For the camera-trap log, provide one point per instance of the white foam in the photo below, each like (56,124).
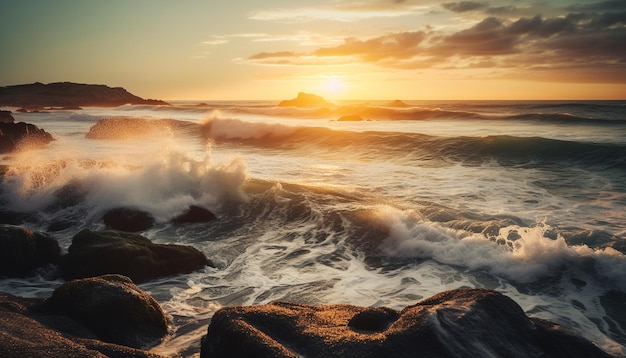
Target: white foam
(157,176)
(526,259)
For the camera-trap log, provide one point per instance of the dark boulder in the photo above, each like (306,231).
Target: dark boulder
(195,214)
(22,135)
(458,323)
(6,117)
(106,252)
(22,250)
(70,194)
(113,308)
(26,331)
(126,219)
(11,217)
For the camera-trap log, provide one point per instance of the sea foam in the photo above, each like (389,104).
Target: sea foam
(522,254)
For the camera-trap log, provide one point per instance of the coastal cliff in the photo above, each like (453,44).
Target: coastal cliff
(37,95)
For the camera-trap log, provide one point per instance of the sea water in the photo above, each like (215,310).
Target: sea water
(526,198)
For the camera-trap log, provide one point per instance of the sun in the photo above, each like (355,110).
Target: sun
(334,85)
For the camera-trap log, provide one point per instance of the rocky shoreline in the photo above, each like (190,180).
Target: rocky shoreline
(100,311)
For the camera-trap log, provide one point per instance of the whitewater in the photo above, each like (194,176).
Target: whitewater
(399,202)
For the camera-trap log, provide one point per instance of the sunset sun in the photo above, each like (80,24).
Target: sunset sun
(334,85)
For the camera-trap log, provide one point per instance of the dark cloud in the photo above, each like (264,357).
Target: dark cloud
(536,26)
(501,10)
(590,44)
(463,6)
(487,38)
(609,5)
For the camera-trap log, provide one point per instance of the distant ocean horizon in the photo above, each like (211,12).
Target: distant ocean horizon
(370,203)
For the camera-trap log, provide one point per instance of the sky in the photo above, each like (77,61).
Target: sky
(339,49)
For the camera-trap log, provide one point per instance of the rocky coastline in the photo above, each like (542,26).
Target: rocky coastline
(68,95)
(99,311)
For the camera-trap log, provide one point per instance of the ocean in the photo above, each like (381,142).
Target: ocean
(403,201)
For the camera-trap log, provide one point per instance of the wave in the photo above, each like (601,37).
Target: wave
(578,114)
(163,183)
(507,150)
(522,254)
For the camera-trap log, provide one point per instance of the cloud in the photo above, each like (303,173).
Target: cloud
(216,40)
(609,5)
(463,6)
(589,44)
(395,45)
(270,55)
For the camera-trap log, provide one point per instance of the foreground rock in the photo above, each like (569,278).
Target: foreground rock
(40,328)
(113,308)
(37,96)
(106,252)
(127,219)
(22,250)
(13,135)
(305,100)
(458,323)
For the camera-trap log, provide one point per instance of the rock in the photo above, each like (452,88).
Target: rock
(70,194)
(68,95)
(6,117)
(350,118)
(397,103)
(458,323)
(117,128)
(375,319)
(112,307)
(305,100)
(27,332)
(14,135)
(126,219)
(194,214)
(22,250)
(14,217)
(106,252)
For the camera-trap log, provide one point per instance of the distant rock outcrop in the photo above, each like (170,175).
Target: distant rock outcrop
(457,323)
(12,135)
(116,252)
(350,118)
(397,103)
(305,100)
(37,96)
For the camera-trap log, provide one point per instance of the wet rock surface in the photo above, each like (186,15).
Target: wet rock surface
(107,252)
(458,323)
